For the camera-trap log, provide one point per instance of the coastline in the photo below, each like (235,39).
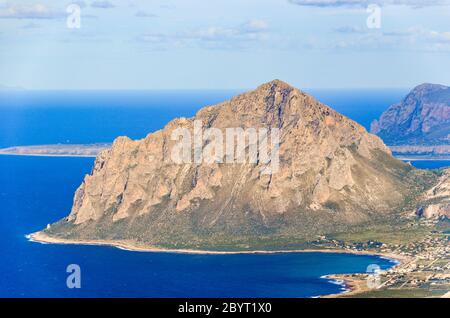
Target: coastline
(351,285)
(422,158)
(40,237)
(94,156)
(46,155)
(354,284)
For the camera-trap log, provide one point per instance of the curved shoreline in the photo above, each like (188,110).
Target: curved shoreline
(350,286)
(422,159)
(40,237)
(47,155)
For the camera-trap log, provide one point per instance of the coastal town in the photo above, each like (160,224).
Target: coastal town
(423,268)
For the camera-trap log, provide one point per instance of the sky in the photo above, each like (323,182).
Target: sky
(223,44)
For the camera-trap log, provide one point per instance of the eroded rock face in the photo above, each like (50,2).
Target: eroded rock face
(438,198)
(332,173)
(437,210)
(423,117)
(442,189)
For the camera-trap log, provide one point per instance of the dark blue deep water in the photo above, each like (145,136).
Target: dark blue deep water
(40,117)
(430,164)
(35,191)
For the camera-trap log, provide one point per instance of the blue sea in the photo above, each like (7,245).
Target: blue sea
(35,191)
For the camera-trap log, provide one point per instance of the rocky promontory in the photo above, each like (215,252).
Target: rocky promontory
(332,175)
(421,119)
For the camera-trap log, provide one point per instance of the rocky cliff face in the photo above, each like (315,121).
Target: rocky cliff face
(332,175)
(437,199)
(423,117)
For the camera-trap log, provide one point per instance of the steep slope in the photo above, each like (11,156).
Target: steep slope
(437,199)
(332,175)
(422,118)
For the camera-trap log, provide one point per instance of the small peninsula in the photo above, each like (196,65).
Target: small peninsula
(57,150)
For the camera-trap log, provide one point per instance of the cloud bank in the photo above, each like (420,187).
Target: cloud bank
(417,38)
(34,11)
(217,37)
(365,3)
(102,4)
(144,14)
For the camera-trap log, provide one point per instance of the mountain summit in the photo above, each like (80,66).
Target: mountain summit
(331,175)
(422,118)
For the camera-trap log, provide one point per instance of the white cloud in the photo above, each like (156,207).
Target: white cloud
(31,25)
(35,11)
(212,37)
(415,38)
(81,3)
(144,14)
(365,3)
(254,26)
(350,29)
(102,4)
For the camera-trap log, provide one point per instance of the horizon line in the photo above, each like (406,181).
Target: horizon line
(193,89)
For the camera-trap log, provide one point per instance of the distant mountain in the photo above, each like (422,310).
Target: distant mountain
(437,199)
(71,150)
(422,118)
(333,175)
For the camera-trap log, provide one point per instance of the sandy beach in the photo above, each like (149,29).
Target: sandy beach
(352,285)
(41,237)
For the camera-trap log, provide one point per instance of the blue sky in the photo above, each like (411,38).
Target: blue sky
(200,44)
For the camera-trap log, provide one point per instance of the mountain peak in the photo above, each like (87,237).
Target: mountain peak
(323,166)
(275,85)
(428,88)
(422,117)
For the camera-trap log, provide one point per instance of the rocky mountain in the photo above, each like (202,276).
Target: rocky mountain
(72,150)
(436,201)
(436,151)
(422,118)
(332,176)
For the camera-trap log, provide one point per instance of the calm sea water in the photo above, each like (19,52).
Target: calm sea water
(35,191)
(36,117)
(430,164)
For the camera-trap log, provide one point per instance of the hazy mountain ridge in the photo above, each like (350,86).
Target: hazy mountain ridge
(333,175)
(422,118)
(72,150)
